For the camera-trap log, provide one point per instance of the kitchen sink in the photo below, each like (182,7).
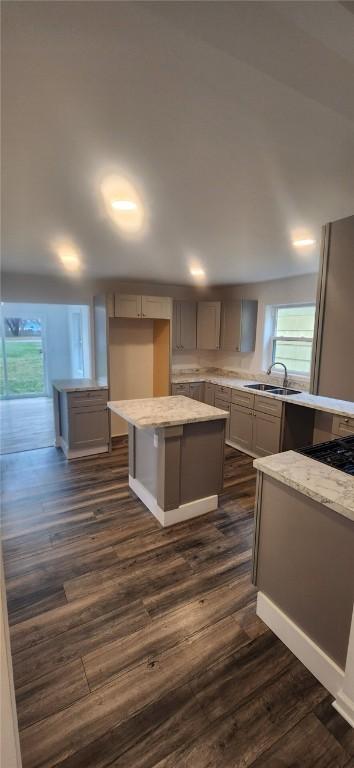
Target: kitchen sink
(262,387)
(285,391)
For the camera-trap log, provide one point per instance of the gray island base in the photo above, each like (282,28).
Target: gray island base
(176,455)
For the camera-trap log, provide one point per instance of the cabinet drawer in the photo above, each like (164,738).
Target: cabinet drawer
(181,389)
(224,392)
(242,398)
(343,425)
(87,398)
(267,405)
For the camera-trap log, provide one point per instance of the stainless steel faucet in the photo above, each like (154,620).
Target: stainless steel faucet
(286,380)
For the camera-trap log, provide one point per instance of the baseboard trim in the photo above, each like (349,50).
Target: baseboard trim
(173,516)
(79,453)
(345,706)
(312,656)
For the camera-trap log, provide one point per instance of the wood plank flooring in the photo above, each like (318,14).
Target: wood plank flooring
(139,647)
(26,423)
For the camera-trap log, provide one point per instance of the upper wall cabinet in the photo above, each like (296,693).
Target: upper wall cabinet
(238,325)
(184,325)
(127,305)
(208,324)
(154,307)
(159,307)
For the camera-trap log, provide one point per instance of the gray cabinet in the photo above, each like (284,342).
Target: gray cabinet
(225,405)
(180,389)
(196,390)
(342,426)
(184,329)
(266,434)
(209,393)
(241,427)
(81,420)
(256,429)
(208,324)
(238,325)
(127,305)
(332,358)
(150,307)
(156,307)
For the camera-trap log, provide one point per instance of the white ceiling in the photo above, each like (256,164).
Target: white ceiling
(234,120)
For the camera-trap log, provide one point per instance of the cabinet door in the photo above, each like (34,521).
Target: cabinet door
(156,307)
(176,325)
(266,434)
(231,325)
(196,390)
(126,305)
(225,406)
(88,427)
(241,426)
(208,324)
(209,393)
(188,324)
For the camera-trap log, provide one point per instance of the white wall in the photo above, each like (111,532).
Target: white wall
(131,363)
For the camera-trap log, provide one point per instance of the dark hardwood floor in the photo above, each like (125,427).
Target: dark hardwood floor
(136,646)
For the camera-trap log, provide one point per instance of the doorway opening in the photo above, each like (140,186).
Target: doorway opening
(39,343)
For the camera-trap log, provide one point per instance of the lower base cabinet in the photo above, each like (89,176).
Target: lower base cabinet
(225,405)
(195,390)
(255,431)
(241,427)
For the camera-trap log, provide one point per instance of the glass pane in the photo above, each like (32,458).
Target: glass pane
(24,356)
(295,355)
(2,376)
(295,321)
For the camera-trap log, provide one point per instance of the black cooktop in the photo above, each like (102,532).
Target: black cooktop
(335,453)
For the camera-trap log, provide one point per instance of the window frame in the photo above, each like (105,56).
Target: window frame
(274,337)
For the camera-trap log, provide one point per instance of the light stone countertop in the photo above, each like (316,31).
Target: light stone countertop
(330,405)
(165,411)
(77,385)
(328,486)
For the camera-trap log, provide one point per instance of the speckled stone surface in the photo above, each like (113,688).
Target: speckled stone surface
(328,404)
(77,385)
(328,486)
(165,411)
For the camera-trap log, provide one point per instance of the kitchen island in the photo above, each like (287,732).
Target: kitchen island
(303,562)
(176,455)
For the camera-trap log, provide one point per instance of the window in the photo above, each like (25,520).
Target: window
(293,337)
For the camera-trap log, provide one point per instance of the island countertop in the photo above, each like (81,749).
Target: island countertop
(328,486)
(155,412)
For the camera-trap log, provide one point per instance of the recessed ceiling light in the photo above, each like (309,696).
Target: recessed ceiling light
(70,261)
(124,205)
(305,241)
(197,271)
(68,254)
